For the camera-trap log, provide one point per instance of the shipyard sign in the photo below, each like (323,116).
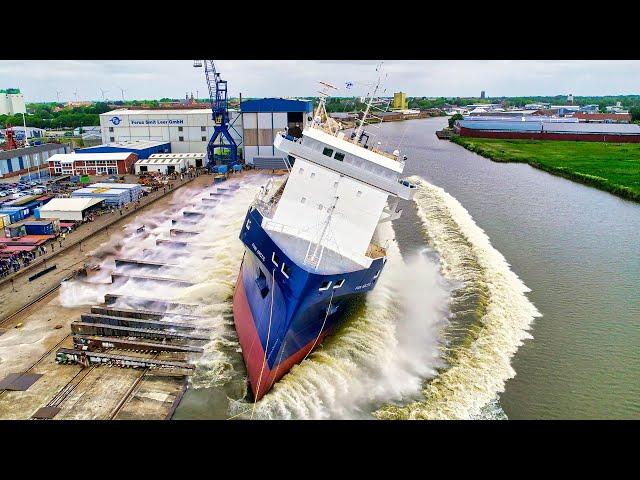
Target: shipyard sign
(115,120)
(161,121)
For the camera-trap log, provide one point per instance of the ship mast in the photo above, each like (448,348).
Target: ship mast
(370,101)
(322,99)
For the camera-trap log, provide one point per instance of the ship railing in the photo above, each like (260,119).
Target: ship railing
(347,138)
(374,251)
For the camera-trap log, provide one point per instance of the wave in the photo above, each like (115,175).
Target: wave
(479,362)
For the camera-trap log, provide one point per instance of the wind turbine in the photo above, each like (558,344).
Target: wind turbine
(103,92)
(76,94)
(122,90)
(58,92)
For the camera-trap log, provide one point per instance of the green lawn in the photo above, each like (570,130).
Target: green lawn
(614,167)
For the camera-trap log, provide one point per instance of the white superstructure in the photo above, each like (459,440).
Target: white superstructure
(336,193)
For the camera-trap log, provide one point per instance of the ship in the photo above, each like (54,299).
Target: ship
(312,243)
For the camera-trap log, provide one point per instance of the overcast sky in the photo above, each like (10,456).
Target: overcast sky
(39,80)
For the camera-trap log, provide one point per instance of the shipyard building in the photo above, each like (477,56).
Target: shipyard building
(187,131)
(253,128)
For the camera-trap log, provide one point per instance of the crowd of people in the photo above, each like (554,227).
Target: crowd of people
(19,260)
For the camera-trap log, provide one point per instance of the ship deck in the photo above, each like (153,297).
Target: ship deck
(296,249)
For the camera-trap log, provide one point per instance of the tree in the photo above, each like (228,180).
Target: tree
(635,114)
(454,118)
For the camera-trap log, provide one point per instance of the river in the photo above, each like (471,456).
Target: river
(578,250)
(531,282)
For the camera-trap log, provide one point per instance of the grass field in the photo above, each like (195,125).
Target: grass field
(614,167)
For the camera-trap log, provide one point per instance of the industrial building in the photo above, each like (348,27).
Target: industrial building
(568,131)
(253,127)
(167,163)
(142,148)
(19,132)
(92,163)
(262,119)
(22,160)
(186,131)
(11,102)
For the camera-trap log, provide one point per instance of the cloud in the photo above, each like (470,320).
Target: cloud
(39,80)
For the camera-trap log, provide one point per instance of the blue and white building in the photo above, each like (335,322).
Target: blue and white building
(261,121)
(142,148)
(186,130)
(29,159)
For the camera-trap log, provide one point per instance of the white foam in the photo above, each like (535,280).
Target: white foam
(212,264)
(382,354)
(482,366)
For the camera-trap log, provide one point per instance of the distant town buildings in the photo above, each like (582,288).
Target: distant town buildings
(11,102)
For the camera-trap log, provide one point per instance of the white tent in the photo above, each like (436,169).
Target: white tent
(68,208)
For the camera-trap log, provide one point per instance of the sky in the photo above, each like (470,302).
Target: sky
(40,80)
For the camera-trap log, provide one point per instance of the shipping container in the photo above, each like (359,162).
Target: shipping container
(13,231)
(44,227)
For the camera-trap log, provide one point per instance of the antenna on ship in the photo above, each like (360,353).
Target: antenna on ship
(321,109)
(371,103)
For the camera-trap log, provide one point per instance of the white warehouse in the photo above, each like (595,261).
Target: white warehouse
(187,130)
(166,163)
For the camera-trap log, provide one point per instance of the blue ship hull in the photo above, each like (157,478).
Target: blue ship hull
(281,310)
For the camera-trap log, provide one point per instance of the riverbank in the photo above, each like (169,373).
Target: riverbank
(612,167)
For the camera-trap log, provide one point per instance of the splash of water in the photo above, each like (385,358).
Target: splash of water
(479,366)
(381,354)
(210,263)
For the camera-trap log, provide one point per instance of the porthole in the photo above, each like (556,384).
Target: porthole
(313,174)
(303,200)
(359,194)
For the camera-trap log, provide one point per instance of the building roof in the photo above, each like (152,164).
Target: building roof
(178,155)
(276,105)
(80,157)
(18,152)
(128,145)
(556,127)
(70,204)
(117,186)
(160,161)
(624,117)
(176,111)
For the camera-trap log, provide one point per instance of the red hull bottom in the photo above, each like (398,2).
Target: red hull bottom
(261,377)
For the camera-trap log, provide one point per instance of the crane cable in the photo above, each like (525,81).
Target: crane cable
(266,348)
